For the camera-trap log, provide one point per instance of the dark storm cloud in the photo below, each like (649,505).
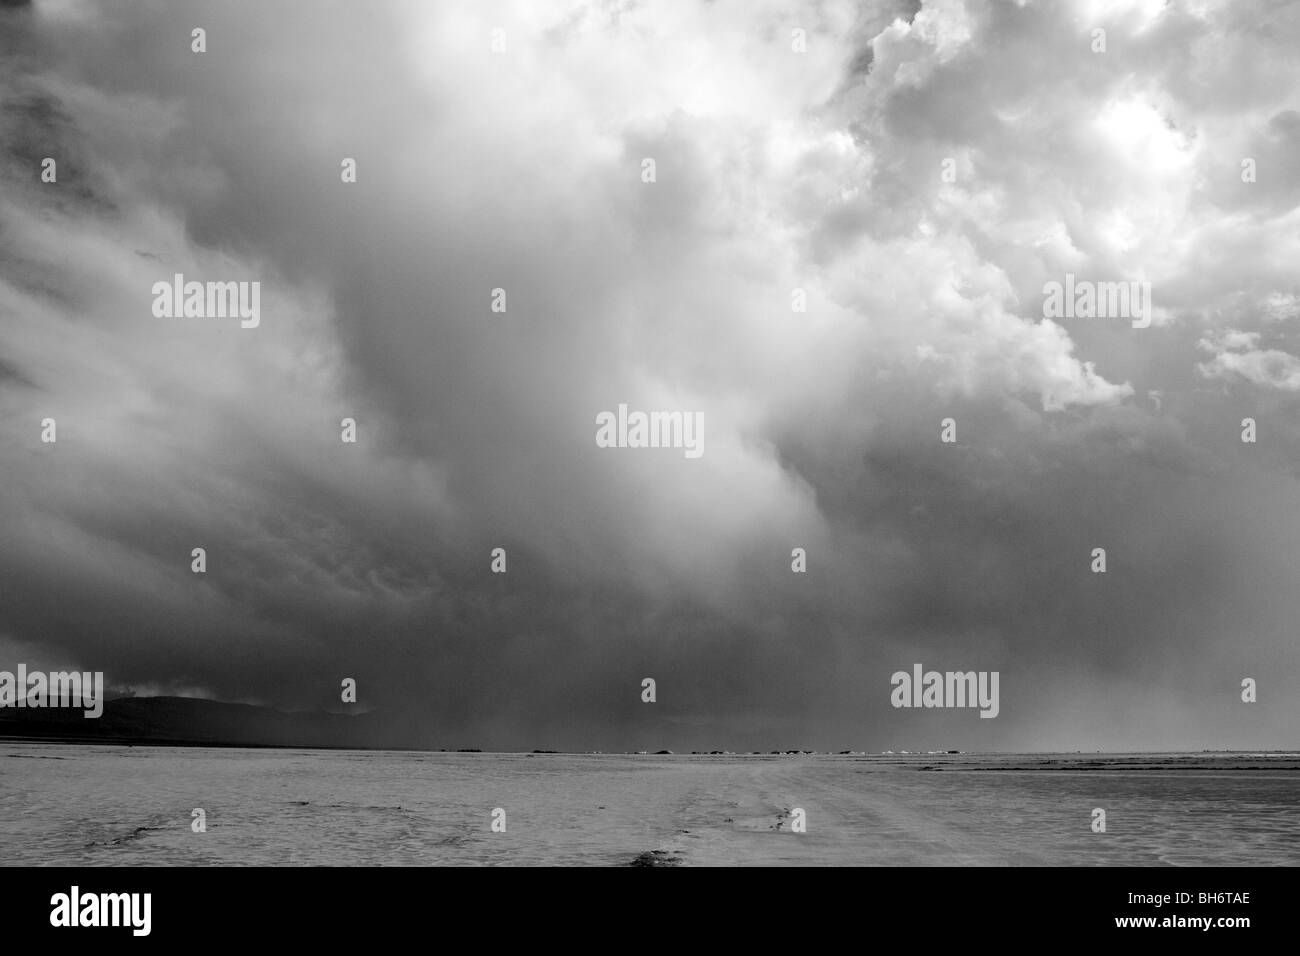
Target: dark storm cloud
(775,171)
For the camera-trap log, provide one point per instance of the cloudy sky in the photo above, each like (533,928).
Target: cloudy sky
(775,170)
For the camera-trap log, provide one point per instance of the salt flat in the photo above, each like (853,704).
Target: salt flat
(84,805)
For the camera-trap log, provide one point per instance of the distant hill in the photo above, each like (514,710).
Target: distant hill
(193,721)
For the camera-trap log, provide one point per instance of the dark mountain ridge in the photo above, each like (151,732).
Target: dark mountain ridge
(197,722)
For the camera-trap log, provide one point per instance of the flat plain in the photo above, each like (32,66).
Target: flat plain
(109,805)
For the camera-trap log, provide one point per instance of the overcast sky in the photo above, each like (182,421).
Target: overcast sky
(775,170)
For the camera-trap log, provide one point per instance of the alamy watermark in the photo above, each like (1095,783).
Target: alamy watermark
(626,429)
(1084,299)
(36,689)
(208,300)
(75,908)
(950,689)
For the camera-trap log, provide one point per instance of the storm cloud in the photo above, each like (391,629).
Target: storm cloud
(918,172)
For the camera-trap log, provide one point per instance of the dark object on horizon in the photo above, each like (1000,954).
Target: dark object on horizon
(192,721)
